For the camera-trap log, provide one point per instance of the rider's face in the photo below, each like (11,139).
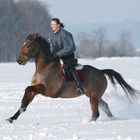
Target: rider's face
(54,26)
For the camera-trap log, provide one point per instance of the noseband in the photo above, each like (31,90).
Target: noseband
(29,54)
(47,58)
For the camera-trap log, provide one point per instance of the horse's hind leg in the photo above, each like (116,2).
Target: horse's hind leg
(94,102)
(104,106)
(30,93)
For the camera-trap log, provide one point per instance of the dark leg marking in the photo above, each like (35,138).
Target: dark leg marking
(30,93)
(104,106)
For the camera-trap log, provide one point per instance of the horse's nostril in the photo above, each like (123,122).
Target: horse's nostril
(19,62)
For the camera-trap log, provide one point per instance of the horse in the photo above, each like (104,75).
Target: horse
(48,81)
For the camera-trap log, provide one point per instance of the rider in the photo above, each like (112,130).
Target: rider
(62,45)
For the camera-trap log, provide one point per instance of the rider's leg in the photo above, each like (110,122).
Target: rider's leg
(77,81)
(71,62)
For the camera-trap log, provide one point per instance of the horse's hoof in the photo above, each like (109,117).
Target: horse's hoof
(9,120)
(93,120)
(110,116)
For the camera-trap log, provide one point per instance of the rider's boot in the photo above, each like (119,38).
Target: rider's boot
(80,89)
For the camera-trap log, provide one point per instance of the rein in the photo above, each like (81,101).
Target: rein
(47,58)
(47,55)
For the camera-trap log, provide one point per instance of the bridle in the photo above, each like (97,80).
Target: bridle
(29,54)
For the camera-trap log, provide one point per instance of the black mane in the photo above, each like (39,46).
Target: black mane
(44,43)
(42,39)
(38,37)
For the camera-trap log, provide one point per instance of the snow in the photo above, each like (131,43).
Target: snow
(68,119)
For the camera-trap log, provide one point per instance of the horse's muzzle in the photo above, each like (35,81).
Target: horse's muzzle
(21,62)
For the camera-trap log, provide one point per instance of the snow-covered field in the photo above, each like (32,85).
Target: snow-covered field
(61,119)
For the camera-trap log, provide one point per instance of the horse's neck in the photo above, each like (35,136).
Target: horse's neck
(44,59)
(42,64)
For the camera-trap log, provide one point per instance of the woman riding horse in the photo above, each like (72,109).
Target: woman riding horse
(47,79)
(62,45)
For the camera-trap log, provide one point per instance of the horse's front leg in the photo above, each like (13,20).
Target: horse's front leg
(30,93)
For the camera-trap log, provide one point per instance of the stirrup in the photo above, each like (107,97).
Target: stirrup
(79,92)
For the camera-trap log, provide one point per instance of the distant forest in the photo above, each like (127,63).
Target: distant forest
(17,20)
(23,17)
(96,44)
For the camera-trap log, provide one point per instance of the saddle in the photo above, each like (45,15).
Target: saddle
(67,76)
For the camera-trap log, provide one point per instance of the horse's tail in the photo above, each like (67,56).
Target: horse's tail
(116,77)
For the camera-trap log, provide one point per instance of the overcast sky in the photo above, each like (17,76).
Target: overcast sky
(89,11)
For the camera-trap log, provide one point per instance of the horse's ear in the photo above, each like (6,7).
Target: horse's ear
(29,36)
(35,35)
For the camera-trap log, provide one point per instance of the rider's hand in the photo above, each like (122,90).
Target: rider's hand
(55,55)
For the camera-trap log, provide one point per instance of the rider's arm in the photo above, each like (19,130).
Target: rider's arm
(68,46)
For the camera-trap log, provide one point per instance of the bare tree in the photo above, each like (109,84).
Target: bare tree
(95,44)
(10,28)
(87,45)
(125,47)
(17,20)
(37,16)
(100,36)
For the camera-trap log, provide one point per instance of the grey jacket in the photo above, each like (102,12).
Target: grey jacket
(62,43)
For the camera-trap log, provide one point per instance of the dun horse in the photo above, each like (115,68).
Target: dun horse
(48,81)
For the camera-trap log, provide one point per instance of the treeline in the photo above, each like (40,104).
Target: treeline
(17,20)
(96,44)
(22,17)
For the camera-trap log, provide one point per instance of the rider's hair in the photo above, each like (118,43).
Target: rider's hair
(58,22)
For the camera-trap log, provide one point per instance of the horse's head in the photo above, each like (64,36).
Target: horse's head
(31,48)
